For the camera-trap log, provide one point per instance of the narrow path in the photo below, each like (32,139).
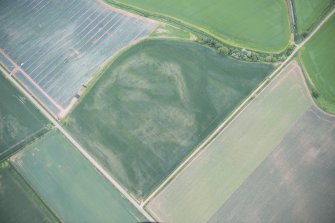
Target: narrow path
(18,68)
(292,15)
(236,113)
(98,167)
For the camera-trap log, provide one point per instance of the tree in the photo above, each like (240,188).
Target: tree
(224,50)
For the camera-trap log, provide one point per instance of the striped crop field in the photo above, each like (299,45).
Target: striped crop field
(55,47)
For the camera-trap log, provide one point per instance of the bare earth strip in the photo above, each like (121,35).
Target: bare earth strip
(208,181)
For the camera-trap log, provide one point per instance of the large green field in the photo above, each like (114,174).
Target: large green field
(155,104)
(257,24)
(200,189)
(20,121)
(18,203)
(317,57)
(70,185)
(308,12)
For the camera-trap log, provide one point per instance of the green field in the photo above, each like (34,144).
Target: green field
(317,57)
(154,104)
(309,12)
(295,183)
(70,185)
(257,24)
(197,192)
(168,31)
(18,203)
(20,121)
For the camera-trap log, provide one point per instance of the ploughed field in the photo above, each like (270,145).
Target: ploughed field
(20,121)
(155,104)
(56,46)
(257,24)
(70,185)
(273,163)
(18,202)
(317,58)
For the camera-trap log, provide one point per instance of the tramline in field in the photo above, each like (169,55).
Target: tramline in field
(56,47)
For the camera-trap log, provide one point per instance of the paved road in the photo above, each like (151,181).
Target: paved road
(208,140)
(79,147)
(236,113)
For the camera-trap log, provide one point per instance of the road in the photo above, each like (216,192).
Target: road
(184,164)
(236,113)
(98,167)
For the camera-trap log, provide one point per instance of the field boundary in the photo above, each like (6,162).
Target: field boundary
(311,88)
(293,19)
(34,192)
(233,115)
(193,28)
(19,69)
(21,144)
(301,35)
(98,74)
(202,146)
(125,12)
(83,152)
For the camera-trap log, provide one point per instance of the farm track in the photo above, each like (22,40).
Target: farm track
(59,56)
(184,164)
(98,167)
(240,109)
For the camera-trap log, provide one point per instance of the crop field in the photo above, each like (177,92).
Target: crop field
(20,121)
(257,24)
(308,12)
(296,183)
(150,109)
(55,47)
(18,203)
(317,57)
(204,186)
(69,185)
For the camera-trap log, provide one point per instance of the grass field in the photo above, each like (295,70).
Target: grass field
(257,24)
(168,31)
(154,104)
(296,183)
(60,45)
(308,12)
(317,57)
(197,192)
(20,121)
(69,185)
(18,203)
